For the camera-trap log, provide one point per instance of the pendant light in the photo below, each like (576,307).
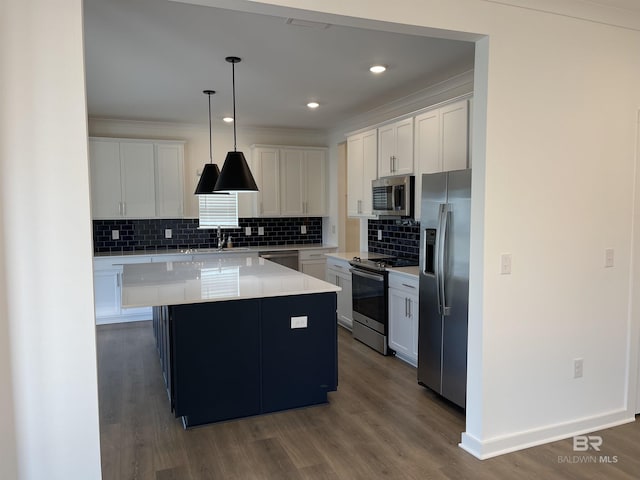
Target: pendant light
(235,175)
(210,172)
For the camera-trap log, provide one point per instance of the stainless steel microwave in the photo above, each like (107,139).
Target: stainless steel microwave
(393,196)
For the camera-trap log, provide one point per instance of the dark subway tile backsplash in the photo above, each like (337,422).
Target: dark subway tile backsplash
(400,238)
(148,235)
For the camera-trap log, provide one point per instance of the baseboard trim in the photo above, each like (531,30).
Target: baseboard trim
(531,438)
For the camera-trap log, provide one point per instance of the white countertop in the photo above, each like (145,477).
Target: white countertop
(408,271)
(227,278)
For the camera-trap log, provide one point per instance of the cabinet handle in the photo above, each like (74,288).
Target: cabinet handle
(118,280)
(359,206)
(408,286)
(409,307)
(261,208)
(391,163)
(124,208)
(337,281)
(406,309)
(395,164)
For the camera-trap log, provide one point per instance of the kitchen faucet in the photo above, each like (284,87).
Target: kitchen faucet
(221,239)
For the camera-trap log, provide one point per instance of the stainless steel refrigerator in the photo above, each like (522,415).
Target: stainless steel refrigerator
(444,283)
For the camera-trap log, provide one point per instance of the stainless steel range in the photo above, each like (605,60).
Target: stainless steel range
(370,305)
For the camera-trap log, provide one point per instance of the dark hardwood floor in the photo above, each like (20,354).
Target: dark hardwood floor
(379,424)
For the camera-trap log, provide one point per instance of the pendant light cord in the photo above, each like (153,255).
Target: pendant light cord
(210,152)
(233,82)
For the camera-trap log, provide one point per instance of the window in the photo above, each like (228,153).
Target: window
(218,210)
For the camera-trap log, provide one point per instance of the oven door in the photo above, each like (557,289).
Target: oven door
(370,299)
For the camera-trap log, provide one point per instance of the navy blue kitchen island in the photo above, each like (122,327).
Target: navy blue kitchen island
(257,338)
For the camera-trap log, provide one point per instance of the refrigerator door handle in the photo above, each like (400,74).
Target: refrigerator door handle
(438,264)
(445,240)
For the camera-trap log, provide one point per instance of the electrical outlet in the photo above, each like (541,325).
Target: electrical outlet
(115,234)
(247,231)
(578,366)
(505,264)
(260,230)
(379,235)
(608,257)
(168,233)
(299,322)
(303,229)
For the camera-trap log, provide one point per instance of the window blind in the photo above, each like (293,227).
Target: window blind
(218,210)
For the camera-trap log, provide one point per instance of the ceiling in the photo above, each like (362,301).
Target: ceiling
(151,59)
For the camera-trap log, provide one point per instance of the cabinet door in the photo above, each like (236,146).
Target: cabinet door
(169,180)
(386,149)
(267,166)
(106,188)
(354,175)
(107,291)
(138,179)
(369,170)
(315,268)
(454,125)
(403,157)
(345,300)
(291,182)
(427,151)
(400,327)
(315,183)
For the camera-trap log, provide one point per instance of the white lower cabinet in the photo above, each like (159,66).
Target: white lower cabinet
(107,285)
(314,262)
(403,317)
(338,273)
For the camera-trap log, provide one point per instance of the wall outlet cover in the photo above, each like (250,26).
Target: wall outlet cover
(379,235)
(260,230)
(303,229)
(247,231)
(115,234)
(168,233)
(299,322)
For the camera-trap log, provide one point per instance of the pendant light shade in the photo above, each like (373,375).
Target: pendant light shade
(235,175)
(210,172)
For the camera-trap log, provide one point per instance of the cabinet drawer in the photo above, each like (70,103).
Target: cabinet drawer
(403,282)
(338,264)
(312,254)
(101,263)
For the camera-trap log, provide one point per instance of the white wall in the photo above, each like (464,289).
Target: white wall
(553,186)
(196,152)
(47,333)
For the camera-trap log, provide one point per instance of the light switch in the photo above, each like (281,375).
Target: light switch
(505,264)
(379,235)
(303,229)
(260,230)
(115,234)
(168,233)
(299,322)
(247,231)
(608,258)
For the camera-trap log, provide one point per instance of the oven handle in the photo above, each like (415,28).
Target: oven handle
(371,276)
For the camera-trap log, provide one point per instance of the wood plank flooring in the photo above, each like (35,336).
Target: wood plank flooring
(379,424)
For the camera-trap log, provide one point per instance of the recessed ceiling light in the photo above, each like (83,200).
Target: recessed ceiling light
(313,104)
(227,119)
(377,69)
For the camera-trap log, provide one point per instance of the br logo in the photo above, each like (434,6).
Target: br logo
(583,443)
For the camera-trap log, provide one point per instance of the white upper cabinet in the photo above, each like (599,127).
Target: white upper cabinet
(395,148)
(362,161)
(136,178)
(266,163)
(169,180)
(292,180)
(106,187)
(315,180)
(441,142)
